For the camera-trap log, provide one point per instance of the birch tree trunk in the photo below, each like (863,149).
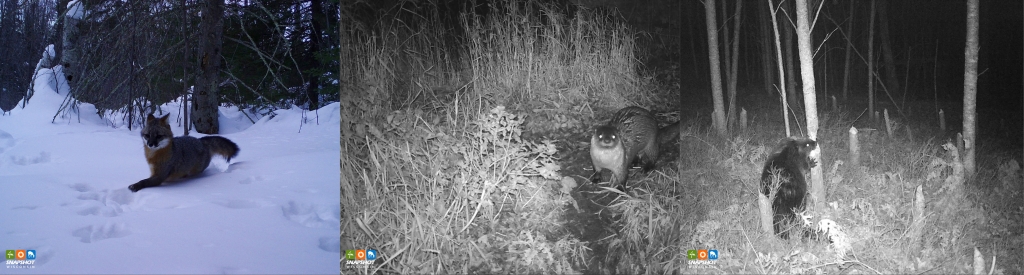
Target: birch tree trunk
(716,68)
(782,72)
(803,35)
(70,52)
(970,87)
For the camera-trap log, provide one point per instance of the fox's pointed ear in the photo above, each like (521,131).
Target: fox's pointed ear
(164,119)
(150,117)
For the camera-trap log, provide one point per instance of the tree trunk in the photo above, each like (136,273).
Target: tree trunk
(205,99)
(810,109)
(58,37)
(716,75)
(735,57)
(693,43)
(849,47)
(782,72)
(312,90)
(766,43)
(187,97)
(682,73)
(970,88)
(724,32)
(871,62)
(69,50)
(787,46)
(892,83)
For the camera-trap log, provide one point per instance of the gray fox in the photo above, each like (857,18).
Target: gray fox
(173,158)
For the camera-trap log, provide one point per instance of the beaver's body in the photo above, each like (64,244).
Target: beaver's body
(791,162)
(631,136)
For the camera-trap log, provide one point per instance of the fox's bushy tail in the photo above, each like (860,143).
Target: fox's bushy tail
(221,146)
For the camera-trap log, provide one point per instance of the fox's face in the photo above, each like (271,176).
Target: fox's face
(157,133)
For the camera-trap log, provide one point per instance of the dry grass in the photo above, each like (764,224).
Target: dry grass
(437,179)
(529,56)
(433,198)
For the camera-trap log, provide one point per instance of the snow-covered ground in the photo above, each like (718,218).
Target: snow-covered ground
(64,194)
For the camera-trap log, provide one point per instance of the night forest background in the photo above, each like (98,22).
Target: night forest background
(465,146)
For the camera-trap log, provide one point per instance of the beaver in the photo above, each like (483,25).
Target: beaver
(790,162)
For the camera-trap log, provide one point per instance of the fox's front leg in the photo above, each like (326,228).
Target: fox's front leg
(149,182)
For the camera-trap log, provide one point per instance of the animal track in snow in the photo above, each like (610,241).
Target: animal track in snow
(96,233)
(252,179)
(234,270)
(331,244)
(108,203)
(6,141)
(239,204)
(81,187)
(310,215)
(42,158)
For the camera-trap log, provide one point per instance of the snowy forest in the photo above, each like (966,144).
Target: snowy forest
(258,55)
(169,137)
